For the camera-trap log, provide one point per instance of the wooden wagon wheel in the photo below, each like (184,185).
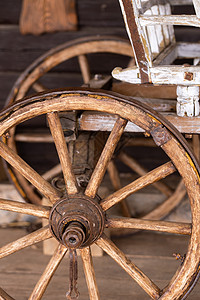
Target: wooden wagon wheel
(76,210)
(79,49)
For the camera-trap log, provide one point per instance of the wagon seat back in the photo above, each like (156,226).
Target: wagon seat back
(150,27)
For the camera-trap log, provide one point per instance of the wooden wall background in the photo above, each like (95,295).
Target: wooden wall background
(95,17)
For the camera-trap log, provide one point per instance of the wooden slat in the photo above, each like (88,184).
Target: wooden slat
(159,30)
(152,37)
(164,27)
(184,20)
(103,122)
(170,27)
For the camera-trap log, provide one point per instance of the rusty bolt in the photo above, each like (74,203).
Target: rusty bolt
(188,76)
(74,236)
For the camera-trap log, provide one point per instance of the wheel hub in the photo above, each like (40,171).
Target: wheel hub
(77,221)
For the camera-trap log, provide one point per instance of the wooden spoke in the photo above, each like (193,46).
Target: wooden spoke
(51,268)
(168,205)
(163,226)
(31,175)
(85,69)
(25,208)
(89,273)
(4,295)
(32,137)
(105,157)
(59,139)
(148,286)
(52,172)
(28,240)
(38,87)
(136,167)
(147,179)
(115,179)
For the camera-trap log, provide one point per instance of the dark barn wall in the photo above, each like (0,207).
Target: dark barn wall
(18,51)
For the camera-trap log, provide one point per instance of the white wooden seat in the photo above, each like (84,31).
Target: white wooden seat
(150,28)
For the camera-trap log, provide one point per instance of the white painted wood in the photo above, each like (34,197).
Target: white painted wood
(185,20)
(164,27)
(162,75)
(196,61)
(139,4)
(170,27)
(167,56)
(188,50)
(187,101)
(197,7)
(152,36)
(180,2)
(158,29)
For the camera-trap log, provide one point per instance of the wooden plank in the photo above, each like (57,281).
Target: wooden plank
(48,40)
(10,11)
(167,56)
(21,271)
(17,54)
(180,2)
(104,122)
(103,12)
(188,50)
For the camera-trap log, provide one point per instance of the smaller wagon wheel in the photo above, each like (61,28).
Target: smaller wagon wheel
(79,53)
(80,49)
(78,216)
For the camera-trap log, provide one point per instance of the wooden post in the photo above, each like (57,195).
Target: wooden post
(187,101)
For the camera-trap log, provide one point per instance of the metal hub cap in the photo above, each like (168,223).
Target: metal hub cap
(77,222)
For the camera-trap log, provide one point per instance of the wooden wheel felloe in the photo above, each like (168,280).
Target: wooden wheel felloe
(123,113)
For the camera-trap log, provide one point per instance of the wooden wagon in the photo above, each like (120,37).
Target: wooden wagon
(90,128)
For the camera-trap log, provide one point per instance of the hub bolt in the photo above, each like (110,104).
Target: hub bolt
(74,235)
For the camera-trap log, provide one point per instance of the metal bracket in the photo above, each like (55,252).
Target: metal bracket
(160,135)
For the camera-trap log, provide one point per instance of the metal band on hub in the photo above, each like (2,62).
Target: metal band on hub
(77,222)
